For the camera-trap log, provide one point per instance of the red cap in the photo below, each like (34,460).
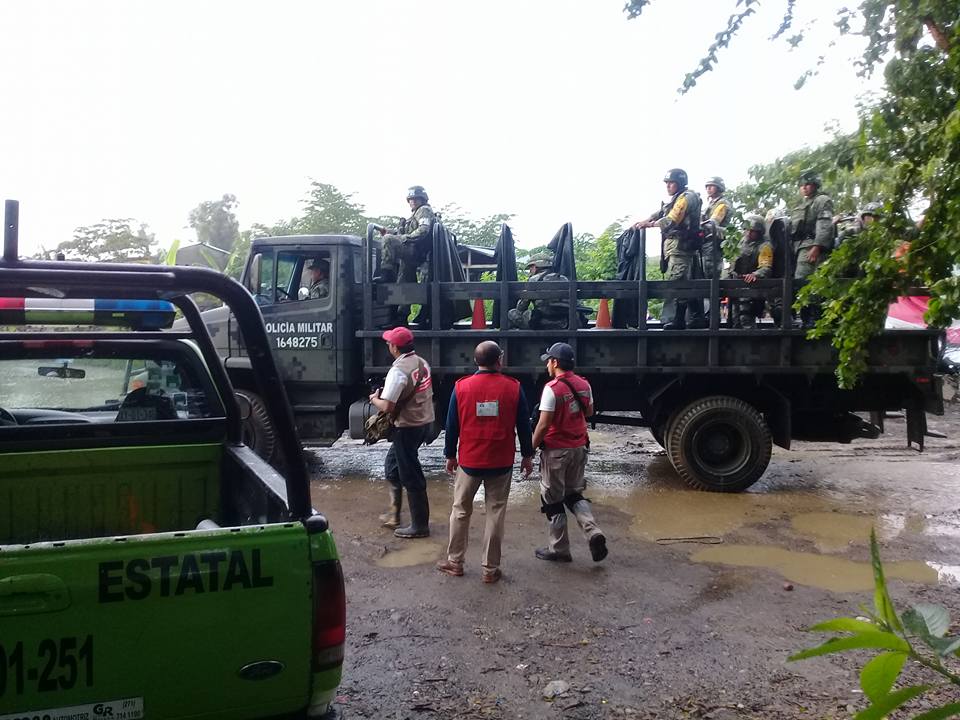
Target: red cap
(399,336)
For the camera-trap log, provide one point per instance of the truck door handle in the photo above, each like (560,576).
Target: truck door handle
(33,593)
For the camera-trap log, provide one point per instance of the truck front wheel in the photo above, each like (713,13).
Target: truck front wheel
(257,429)
(719,443)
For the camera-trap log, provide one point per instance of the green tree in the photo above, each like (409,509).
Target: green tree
(482,232)
(110,240)
(216,223)
(911,133)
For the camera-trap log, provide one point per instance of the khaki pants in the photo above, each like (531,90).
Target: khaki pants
(561,475)
(496,489)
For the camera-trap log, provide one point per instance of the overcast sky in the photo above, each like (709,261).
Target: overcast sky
(551,110)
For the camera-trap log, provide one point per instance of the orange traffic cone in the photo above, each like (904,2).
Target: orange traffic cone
(603,316)
(479,316)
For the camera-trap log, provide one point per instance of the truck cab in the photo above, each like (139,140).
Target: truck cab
(312,337)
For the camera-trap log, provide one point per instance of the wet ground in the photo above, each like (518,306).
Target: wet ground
(666,627)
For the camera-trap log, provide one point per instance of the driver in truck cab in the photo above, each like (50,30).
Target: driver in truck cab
(405,249)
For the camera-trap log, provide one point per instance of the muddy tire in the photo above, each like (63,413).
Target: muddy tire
(257,430)
(719,443)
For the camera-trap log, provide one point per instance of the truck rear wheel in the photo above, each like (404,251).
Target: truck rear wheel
(719,443)
(257,429)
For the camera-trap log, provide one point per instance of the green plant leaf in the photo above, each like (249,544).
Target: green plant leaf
(940,713)
(925,619)
(881,708)
(885,640)
(171,258)
(879,675)
(881,598)
(844,625)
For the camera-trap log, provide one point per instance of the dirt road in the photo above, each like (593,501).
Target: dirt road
(661,629)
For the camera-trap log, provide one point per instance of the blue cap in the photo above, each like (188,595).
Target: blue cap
(559,351)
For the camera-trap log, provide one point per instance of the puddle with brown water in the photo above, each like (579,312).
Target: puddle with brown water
(823,571)
(415,552)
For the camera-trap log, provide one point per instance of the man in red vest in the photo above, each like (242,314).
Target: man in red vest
(565,405)
(488,412)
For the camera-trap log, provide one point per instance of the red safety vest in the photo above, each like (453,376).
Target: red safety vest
(569,426)
(487,408)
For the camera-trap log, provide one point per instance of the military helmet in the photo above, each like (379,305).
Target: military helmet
(676,175)
(872,208)
(718,181)
(755,222)
(418,192)
(541,261)
(810,177)
(319,264)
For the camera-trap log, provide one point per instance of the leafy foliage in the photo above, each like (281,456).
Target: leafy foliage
(918,635)
(906,151)
(482,232)
(216,223)
(110,240)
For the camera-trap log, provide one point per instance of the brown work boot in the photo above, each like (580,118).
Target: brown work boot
(449,567)
(492,576)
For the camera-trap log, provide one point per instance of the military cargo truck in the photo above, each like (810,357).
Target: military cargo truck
(716,399)
(151,564)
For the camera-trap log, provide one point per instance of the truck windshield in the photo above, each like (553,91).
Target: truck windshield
(36,390)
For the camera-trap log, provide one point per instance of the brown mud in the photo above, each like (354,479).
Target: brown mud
(665,627)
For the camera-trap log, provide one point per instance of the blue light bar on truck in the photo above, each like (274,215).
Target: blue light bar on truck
(135,314)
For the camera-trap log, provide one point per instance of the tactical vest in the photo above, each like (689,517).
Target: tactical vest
(416,400)
(569,426)
(711,204)
(687,232)
(487,408)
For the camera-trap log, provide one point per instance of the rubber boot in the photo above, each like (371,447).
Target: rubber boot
(679,320)
(698,318)
(419,516)
(391,518)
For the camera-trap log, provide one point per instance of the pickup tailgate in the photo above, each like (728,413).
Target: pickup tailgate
(212,624)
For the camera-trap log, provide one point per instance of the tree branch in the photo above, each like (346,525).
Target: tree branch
(939,36)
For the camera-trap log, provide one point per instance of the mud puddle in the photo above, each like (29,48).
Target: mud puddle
(419,552)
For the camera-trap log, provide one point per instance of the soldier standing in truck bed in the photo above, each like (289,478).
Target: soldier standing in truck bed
(406,249)
(679,223)
(718,212)
(754,262)
(811,234)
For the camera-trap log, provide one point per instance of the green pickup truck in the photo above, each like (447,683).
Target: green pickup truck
(151,565)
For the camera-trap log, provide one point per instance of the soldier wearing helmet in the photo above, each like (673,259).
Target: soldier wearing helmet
(679,222)
(717,213)
(542,313)
(754,262)
(811,235)
(405,249)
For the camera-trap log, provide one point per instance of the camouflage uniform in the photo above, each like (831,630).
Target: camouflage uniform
(409,247)
(811,223)
(756,257)
(679,223)
(543,313)
(718,211)
(320,289)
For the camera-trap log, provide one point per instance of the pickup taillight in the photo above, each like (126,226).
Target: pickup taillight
(329,615)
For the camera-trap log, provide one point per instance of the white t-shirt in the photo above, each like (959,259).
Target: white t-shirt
(548,401)
(394,384)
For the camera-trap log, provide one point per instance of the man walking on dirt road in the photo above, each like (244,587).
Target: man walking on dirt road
(565,405)
(488,412)
(408,394)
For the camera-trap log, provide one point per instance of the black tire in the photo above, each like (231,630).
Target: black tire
(258,432)
(719,443)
